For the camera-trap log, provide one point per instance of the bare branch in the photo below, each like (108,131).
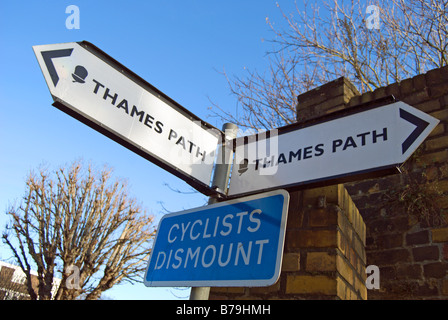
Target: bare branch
(325,40)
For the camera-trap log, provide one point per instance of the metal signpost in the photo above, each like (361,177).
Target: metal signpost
(220,182)
(377,139)
(231,243)
(96,89)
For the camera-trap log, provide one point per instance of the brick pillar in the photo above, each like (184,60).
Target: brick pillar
(328,98)
(324,255)
(328,234)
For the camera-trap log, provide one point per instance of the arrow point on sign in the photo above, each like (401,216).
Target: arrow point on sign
(420,124)
(48,56)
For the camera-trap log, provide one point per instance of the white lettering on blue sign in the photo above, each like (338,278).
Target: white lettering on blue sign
(226,243)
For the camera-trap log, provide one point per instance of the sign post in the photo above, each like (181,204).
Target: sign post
(220,181)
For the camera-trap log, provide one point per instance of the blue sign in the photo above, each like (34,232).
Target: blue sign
(232,243)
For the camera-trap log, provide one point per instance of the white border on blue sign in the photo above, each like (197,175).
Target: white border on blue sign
(230,283)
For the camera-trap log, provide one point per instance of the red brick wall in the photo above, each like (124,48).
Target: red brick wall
(406,215)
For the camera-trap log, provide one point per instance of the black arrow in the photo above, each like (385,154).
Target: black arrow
(48,55)
(420,127)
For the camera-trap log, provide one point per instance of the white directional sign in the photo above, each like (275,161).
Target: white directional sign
(376,139)
(233,243)
(97,90)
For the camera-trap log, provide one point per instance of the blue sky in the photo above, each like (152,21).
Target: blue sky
(178,46)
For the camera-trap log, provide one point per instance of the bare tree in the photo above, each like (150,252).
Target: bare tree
(75,220)
(372,44)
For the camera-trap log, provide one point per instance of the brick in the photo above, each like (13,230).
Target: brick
(345,226)
(420,237)
(354,101)
(442,201)
(429,106)
(432,158)
(406,87)
(311,94)
(295,218)
(379,93)
(437,143)
(360,248)
(361,268)
(425,290)
(331,103)
(426,253)
(419,81)
(417,97)
(394,89)
(388,273)
(389,225)
(345,292)
(335,108)
(323,217)
(344,245)
(335,88)
(305,284)
(390,241)
(438,130)
(440,235)
(339,87)
(307,103)
(441,185)
(320,261)
(444,100)
(344,269)
(432,173)
(441,115)
(367,97)
(389,257)
(333,194)
(216,296)
(435,270)
(360,288)
(304,114)
(353,259)
(445,287)
(291,262)
(410,271)
(228,289)
(433,77)
(312,238)
(362,232)
(438,90)
(265,290)
(249,298)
